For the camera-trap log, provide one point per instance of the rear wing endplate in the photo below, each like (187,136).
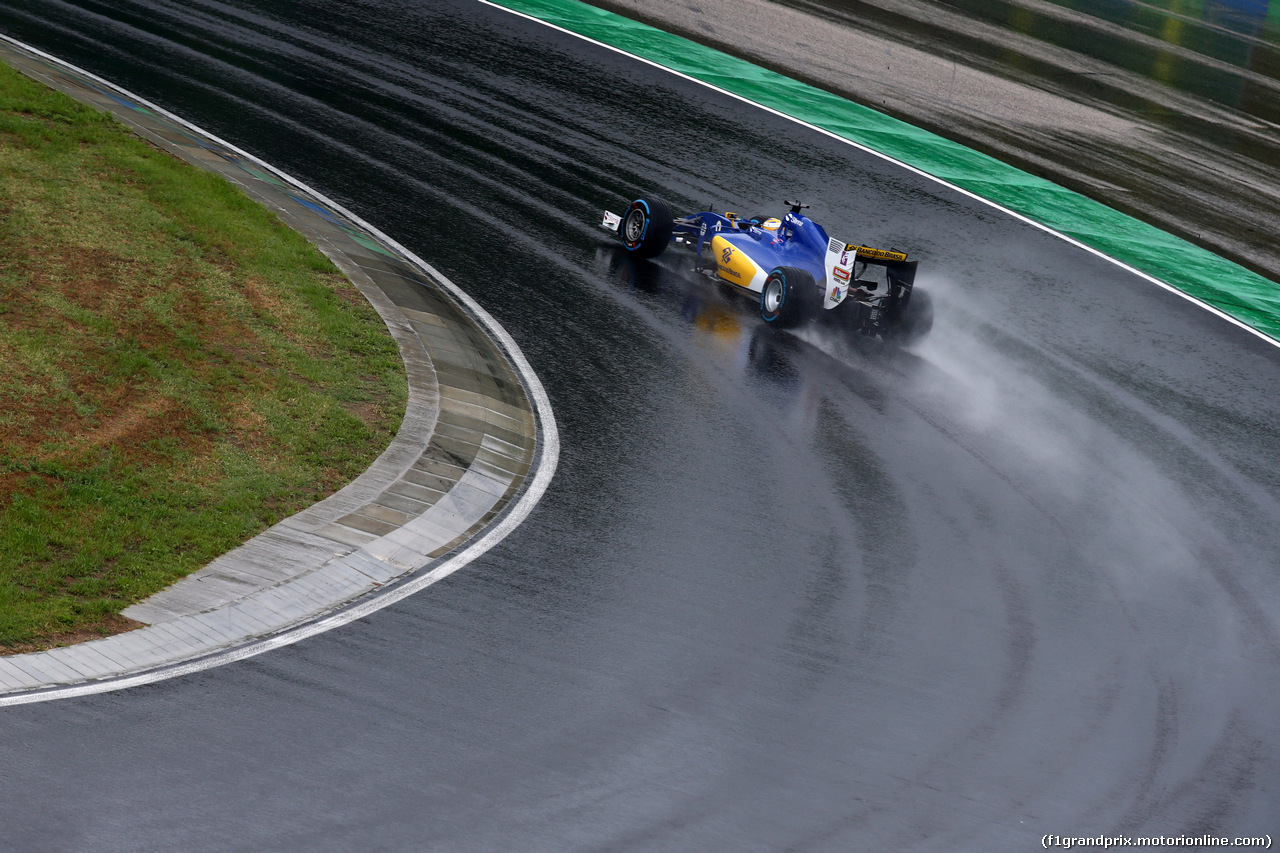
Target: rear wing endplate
(841,258)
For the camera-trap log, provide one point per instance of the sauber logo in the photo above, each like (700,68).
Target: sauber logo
(726,254)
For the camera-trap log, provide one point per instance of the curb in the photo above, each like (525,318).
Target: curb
(476,450)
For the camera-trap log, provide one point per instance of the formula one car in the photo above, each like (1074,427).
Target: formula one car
(798,271)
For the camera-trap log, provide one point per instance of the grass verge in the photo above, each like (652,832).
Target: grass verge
(178,370)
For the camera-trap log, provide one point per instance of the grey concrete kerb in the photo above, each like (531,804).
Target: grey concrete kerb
(476,450)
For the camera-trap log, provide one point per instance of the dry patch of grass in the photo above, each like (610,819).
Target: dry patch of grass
(178,370)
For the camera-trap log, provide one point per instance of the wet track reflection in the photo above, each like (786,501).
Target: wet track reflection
(786,591)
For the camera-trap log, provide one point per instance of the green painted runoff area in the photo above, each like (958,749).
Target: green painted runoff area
(1229,287)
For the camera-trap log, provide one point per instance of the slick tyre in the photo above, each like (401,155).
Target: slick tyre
(786,296)
(646,227)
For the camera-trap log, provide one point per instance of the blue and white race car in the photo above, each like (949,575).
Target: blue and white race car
(797,271)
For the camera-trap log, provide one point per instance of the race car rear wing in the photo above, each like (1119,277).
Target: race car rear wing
(845,262)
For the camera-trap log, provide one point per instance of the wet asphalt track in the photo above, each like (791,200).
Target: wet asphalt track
(784,593)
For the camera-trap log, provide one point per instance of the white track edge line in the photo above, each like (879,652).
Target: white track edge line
(546,462)
(918,171)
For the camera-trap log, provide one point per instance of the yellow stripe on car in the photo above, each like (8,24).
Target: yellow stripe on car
(734,266)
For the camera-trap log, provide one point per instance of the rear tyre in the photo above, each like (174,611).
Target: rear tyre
(786,295)
(916,321)
(646,227)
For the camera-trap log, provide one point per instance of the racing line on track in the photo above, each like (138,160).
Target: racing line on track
(1213,283)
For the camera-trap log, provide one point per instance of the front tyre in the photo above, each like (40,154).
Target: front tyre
(786,292)
(646,227)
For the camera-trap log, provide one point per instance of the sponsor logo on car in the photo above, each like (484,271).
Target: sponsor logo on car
(880,254)
(841,273)
(733,263)
(836,295)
